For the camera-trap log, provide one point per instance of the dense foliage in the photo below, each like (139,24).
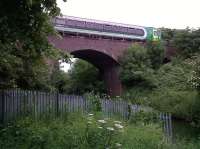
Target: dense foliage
(84,77)
(155,52)
(138,64)
(187,41)
(86,132)
(171,87)
(195,79)
(25,26)
(174,92)
(60,81)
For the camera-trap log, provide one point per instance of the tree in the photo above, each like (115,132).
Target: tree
(60,80)
(84,77)
(155,52)
(187,41)
(168,35)
(195,79)
(136,66)
(25,26)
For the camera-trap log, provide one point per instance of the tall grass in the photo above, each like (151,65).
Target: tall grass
(77,131)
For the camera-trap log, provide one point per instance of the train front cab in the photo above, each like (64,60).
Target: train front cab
(153,34)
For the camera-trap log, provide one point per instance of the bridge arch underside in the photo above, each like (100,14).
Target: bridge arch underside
(107,66)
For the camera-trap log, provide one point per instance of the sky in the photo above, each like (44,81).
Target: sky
(67,66)
(177,14)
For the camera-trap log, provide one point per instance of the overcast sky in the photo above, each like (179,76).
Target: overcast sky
(157,13)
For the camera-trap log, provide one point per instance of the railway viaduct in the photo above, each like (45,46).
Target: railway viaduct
(103,51)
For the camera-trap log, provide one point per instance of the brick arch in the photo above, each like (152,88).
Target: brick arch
(108,68)
(103,53)
(112,48)
(96,57)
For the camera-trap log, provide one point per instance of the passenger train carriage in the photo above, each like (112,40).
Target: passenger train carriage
(103,28)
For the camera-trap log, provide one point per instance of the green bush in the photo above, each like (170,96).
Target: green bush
(186,41)
(78,131)
(95,100)
(174,90)
(137,95)
(175,74)
(180,103)
(136,67)
(87,132)
(155,52)
(84,77)
(195,78)
(145,118)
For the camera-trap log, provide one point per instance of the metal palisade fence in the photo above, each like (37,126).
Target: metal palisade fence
(16,103)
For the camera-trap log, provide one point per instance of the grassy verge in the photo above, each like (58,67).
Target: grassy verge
(78,131)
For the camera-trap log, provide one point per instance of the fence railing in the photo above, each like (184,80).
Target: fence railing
(15,103)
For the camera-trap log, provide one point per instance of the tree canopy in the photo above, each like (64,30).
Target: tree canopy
(187,41)
(138,63)
(84,77)
(24,47)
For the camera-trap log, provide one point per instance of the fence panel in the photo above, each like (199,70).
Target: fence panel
(112,108)
(16,103)
(166,118)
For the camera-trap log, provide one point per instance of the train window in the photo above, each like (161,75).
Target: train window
(155,33)
(89,25)
(95,26)
(75,23)
(139,32)
(122,29)
(70,22)
(60,21)
(107,27)
(159,33)
(115,28)
(99,26)
(131,31)
(79,23)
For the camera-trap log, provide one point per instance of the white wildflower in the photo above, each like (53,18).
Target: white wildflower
(100,127)
(89,118)
(102,121)
(118,144)
(117,122)
(90,114)
(110,128)
(89,122)
(119,126)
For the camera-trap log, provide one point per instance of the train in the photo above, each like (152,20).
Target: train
(106,29)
